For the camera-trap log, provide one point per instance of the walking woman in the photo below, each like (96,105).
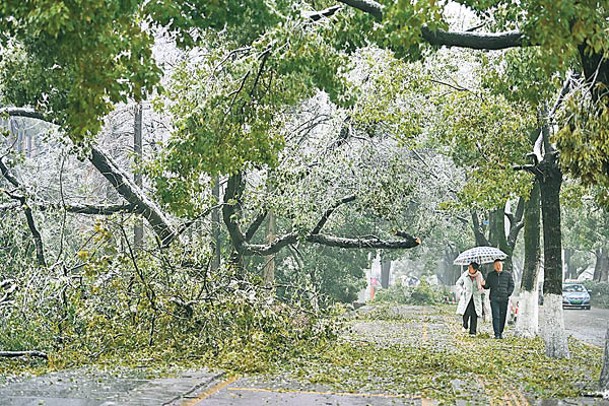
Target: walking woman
(470,301)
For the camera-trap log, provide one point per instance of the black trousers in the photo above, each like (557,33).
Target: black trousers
(499,310)
(470,318)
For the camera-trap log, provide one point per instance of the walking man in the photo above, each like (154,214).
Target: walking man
(501,284)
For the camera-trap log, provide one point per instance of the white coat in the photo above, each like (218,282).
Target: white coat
(470,289)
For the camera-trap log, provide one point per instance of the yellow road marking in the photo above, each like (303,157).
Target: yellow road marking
(214,389)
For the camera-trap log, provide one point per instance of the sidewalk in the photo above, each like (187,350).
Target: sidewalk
(85,387)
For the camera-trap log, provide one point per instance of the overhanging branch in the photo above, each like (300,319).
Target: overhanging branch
(465,39)
(251,231)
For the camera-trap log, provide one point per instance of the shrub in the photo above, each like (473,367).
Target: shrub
(422,294)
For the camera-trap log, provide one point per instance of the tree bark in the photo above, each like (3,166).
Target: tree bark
(527,323)
(498,238)
(481,239)
(368,6)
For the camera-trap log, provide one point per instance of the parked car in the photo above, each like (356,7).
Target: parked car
(575,295)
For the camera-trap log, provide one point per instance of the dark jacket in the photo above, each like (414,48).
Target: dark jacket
(501,284)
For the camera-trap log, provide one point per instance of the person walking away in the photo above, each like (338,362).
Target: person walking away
(470,301)
(501,285)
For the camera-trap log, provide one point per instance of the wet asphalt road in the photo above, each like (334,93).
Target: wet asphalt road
(587,325)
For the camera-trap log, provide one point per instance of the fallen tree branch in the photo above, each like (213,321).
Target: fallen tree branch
(14,354)
(231,214)
(11,288)
(127,188)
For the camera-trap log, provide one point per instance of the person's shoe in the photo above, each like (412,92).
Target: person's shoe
(464,329)
(472,334)
(497,337)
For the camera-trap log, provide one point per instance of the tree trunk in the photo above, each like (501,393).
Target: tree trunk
(385,272)
(481,240)
(269,269)
(601,265)
(498,238)
(527,323)
(553,329)
(604,380)
(138,228)
(215,227)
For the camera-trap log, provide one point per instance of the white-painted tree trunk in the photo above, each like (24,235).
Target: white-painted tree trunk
(486,304)
(527,323)
(553,327)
